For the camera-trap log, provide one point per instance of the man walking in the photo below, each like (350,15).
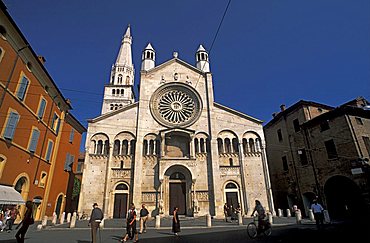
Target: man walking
(317,210)
(143,218)
(95,219)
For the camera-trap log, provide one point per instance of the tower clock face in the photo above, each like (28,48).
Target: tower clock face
(176,105)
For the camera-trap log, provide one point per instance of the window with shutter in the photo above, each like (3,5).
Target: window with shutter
(71,135)
(41,111)
(11,125)
(22,88)
(34,139)
(49,151)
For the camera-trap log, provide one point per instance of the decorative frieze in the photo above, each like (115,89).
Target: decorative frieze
(202,196)
(230,170)
(148,197)
(121,173)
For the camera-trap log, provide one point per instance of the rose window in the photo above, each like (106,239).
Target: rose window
(175,105)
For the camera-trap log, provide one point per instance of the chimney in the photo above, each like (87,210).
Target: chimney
(282,107)
(41,59)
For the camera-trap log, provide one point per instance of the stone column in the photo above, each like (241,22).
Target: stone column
(54,220)
(298,216)
(44,221)
(209,221)
(280,213)
(310,215)
(157,221)
(269,215)
(61,220)
(288,214)
(192,152)
(73,220)
(155,145)
(69,215)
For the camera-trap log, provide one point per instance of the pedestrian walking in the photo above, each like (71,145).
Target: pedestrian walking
(226,211)
(95,220)
(318,213)
(131,231)
(25,223)
(176,221)
(143,218)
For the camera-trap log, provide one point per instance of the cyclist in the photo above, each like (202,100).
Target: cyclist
(261,215)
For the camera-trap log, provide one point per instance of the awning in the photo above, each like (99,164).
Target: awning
(8,195)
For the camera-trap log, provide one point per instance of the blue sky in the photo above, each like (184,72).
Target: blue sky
(267,53)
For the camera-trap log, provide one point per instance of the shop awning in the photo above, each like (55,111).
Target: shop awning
(8,195)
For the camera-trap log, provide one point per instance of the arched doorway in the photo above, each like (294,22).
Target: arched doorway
(343,198)
(22,185)
(232,196)
(37,207)
(178,183)
(177,186)
(120,201)
(58,205)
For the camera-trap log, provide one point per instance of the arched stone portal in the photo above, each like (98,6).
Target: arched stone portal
(343,198)
(177,190)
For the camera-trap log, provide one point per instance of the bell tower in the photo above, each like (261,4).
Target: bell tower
(120,90)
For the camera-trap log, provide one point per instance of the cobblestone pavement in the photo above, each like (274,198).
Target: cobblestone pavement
(285,230)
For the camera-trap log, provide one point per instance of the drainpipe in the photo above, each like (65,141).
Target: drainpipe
(244,191)
(11,74)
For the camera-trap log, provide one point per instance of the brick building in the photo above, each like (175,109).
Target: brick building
(315,150)
(39,139)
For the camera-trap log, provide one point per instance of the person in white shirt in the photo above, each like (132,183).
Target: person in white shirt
(318,210)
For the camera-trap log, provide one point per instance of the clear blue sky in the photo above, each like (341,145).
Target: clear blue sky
(267,53)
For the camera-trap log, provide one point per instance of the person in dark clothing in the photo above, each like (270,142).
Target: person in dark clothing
(175,221)
(131,225)
(94,222)
(26,222)
(143,218)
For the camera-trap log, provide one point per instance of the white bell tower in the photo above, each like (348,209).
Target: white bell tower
(120,90)
(148,58)
(202,59)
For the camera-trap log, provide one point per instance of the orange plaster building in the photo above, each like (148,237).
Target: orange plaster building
(39,138)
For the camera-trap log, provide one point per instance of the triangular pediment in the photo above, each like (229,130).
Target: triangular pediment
(114,113)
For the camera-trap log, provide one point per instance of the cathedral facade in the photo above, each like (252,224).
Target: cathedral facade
(173,145)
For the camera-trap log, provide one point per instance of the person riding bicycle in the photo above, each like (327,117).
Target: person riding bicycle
(261,215)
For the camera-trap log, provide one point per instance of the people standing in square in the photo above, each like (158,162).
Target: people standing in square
(143,218)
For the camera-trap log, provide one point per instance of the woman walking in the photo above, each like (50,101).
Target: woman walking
(26,222)
(175,221)
(131,231)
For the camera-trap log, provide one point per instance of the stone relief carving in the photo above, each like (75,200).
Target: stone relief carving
(202,196)
(148,196)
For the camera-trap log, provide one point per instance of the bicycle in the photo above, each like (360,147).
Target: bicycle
(252,228)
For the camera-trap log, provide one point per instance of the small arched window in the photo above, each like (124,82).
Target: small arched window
(231,186)
(245,145)
(122,187)
(151,147)
(231,162)
(227,146)
(220,146)
(113,91)
(99,147)
(235,145)
(122,91)
(202,145)
(120,79)
(145,147)
(116,146)
(111,107)
(196,143)
(124,147)
(252,148)
(177,176)
(117,91)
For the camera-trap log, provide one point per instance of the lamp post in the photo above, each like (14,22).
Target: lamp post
(11,74)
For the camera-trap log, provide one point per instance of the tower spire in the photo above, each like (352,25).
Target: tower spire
(120,91)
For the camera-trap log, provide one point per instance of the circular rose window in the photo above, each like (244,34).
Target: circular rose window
(175,104)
